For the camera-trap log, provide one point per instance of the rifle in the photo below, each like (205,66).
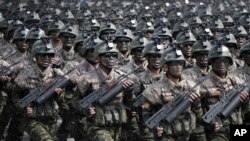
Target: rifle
(172,109)
(43,93)
(105,94)
(8,70)
(226,105)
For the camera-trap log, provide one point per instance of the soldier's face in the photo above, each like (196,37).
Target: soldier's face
(246,57)
(123,44)
(54,34)
(44,60)
(68,40)
(187,49)
(201,59)
(138,54)
(165,41)
(21,45)
(175,68)
(109,59)
(154,61)
(240,40)
(90,56)
(220,65)
(149,34)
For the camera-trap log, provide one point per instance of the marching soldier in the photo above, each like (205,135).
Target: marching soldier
(218,84)
(163,91)
(104,122)
(40,119)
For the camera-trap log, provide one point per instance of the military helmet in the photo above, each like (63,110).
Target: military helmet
(179,27)
(95,25)
(240,31)
(43,46)
(56,25)
(46,19)
(125,33)
(32,17)
(215,24)
(138,42)
(162,32)
(244,48)
(14,25)
(35,33)
(245,21)
(69,28)
(153,47)
(186,36)
(172,54)
(66,15)
(227,20)
(88,44)
(201,46)
(107,26)
(228,39)
(130,24)
(194,21)
(219,51)
(104,47)
(144,27)
(162,21)
(21,33)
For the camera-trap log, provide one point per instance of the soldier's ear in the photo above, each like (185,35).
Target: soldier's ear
(165,67)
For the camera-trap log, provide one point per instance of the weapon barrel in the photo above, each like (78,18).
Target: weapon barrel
(178,110)
(233,103)
(106,98)
(51,91)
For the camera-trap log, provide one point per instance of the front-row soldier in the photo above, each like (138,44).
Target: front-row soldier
(244,73)
(218,86)
(40,120)
(104,122)
(164,91)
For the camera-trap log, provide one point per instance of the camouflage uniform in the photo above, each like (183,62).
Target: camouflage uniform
(106,124)
(216,83)
(74,123)
(156,96)
(243,74)
(208,99)
(9,110)
(194,73)
(18,60)
(43,123)
(184,124)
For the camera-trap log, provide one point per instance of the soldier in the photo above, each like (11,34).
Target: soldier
(136,48)
(123,38)
(40,119)
(35,33)
(104,122)
(218,84)
(243,73)
(54,30)
(67,54)
(199,52)
(19,59)
(163,36)
(186,40)
(163,91)
(74,123)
